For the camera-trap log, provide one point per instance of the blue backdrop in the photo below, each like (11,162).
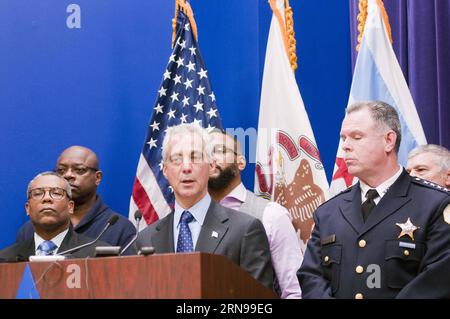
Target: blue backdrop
(96,85)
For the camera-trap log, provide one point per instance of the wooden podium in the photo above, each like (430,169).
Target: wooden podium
(171,276)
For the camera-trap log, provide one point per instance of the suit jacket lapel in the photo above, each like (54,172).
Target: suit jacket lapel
(213,230)
(26,249)
(394,199)
(163,239)
(351,208)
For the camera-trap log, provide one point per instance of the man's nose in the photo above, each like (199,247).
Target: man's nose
(69,175)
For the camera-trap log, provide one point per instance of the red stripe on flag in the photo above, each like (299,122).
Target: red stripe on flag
(142,201)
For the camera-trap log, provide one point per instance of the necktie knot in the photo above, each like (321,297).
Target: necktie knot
(371,194)
(186,217)
(47,248)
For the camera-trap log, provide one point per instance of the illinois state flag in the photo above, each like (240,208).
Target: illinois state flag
(185,96)
(378,76)
(288,165)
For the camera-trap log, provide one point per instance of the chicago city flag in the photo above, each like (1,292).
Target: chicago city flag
(288,165)
(377,76)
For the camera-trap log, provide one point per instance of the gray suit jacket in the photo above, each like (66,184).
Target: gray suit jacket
(241,238)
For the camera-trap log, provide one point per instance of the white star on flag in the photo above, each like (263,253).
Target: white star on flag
(212,96)
(159,108)
(177,79)
(202,73)
(183,118)
(172,58)
(171,114)
(185,101)
(152,143)
(180,62)
(198,106)
(201,90)
(174,96)
(167,75)
(186,27)
(192,49)
(188,83)
(190,66)
(155,126)
(212,113)
(162,91)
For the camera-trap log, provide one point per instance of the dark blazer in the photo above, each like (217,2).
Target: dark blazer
(23,250)
(347,258)
(241,238)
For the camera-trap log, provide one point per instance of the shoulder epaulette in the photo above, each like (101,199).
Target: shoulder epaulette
(348,189)
(424,182)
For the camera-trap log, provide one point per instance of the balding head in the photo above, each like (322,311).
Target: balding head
(79,166)
(81,152)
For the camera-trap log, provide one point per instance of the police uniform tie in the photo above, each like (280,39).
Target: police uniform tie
(369,203)
(46,248)
(184,243)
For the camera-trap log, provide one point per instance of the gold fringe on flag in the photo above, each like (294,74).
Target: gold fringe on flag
(362,16)
(184,6)
(287,31)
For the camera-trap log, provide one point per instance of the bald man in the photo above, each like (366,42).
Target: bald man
(79,166)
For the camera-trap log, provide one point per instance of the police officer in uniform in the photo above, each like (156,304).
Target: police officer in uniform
(388,236)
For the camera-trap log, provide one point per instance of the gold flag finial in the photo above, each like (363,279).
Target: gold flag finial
(184,6)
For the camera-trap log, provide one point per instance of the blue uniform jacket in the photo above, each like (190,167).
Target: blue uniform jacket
(92,224)
(347,258)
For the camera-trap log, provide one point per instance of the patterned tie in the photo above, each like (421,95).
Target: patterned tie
(46,248)
(184,243)
(369,204)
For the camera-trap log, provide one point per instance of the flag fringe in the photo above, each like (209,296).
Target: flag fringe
(362,17)
(184,6)
(287,31)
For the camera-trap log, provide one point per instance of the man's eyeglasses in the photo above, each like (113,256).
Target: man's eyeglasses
(223,150)
(55,193)
(194,158)
(79,170)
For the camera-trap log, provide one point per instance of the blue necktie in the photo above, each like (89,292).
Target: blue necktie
(46,248)
(184,243)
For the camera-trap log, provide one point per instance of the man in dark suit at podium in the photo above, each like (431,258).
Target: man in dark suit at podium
(49,206)
(197,223)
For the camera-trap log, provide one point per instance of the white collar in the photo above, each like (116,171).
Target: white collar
(57,240)
(382,188)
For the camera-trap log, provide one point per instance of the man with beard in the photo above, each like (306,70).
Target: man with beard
(49,206)
(226,188)
(79,166)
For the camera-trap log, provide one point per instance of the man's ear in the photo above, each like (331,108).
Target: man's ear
(242,163)
(71,207)
(98,177)
(390,138)
(27,208)
(212,166)
(164,170)
(447,179)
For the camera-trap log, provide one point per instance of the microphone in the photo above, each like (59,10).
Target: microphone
(137,218)
(112,220)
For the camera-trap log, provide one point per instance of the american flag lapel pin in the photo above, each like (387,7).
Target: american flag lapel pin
(215,234)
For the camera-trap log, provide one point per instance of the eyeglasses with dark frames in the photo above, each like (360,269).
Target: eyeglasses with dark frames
(78,170)
(55,193)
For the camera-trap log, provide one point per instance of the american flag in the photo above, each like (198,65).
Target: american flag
(184,96)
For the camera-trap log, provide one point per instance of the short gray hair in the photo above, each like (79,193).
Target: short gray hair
(185,129)
(383,114)
(441,153)
(66,183)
